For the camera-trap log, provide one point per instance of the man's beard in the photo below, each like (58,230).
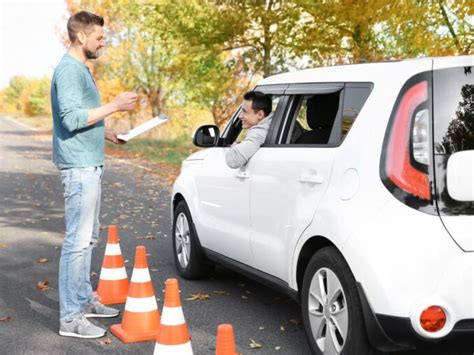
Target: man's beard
(91,55)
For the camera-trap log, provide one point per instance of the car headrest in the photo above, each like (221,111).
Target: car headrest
(321,110)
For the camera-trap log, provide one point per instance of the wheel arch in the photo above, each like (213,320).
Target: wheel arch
(309,248)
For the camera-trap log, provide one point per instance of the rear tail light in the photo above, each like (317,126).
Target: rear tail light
(406,154)
(421,137)
(433,319)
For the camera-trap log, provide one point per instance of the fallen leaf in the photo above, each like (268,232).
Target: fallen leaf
(43,285)
(2,245)
(38,205)
(102,227)
(254,345)
(42,260)
(93,274)
(106,341)
(198,296)
(277,348)
(296,322)
(6,319)
(282,328)
(261,328)
(244,297)
(150,237)
(220,292)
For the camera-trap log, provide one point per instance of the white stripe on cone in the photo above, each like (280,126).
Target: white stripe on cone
(112,249)
(113,274)
(172,316)
(143,304)
(140,275)
(181,349)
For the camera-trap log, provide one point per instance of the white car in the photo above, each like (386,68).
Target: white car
(360,203)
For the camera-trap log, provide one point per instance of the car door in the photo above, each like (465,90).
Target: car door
(224,200)
(290,174)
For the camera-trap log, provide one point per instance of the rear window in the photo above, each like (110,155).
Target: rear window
(354,100)
(453,112)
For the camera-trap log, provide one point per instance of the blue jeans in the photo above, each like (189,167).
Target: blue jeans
(82,189)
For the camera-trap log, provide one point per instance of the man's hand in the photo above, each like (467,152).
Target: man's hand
(112,137)
(125,101)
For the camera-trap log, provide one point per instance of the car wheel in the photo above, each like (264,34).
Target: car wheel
(188,257)
(331,309)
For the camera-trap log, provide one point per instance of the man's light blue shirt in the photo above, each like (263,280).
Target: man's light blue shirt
(73,92)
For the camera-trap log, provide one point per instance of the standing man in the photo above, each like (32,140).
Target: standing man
(78,152)
(255,115)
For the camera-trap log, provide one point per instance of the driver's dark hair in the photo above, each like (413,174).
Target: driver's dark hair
(260,101)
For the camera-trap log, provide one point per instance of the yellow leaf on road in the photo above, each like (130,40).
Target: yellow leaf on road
(254,345)
(106,341)
(43,285)
(199,297)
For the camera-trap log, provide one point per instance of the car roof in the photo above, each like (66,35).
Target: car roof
(371,72)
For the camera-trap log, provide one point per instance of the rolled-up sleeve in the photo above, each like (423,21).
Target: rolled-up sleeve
(69,90)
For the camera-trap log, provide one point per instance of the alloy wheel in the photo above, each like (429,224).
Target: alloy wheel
(182,238)
(328,313)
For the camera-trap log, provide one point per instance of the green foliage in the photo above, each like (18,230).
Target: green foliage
(28,95)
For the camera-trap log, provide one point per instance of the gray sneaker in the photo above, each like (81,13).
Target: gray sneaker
(97,309)
(80,327)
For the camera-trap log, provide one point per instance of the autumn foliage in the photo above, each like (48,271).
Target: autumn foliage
(193,60)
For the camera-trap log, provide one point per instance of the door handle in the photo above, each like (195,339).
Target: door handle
(242,174)
(311,178)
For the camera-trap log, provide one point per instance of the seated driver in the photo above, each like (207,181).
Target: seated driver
(256,116)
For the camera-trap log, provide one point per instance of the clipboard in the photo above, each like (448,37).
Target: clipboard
(144,127)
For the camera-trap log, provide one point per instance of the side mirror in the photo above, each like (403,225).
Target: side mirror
(460,176)
(206,136)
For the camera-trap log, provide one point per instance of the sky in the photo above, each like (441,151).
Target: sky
(29,40)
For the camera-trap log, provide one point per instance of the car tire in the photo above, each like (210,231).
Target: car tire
(187,252)
(331,308)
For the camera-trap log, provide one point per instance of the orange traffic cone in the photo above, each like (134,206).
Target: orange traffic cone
(173,337)
(113,282)
(141,318)
(225,340)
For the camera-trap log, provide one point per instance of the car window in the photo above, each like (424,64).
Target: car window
(312,118)
(234,131)
(354,100)
(453,110)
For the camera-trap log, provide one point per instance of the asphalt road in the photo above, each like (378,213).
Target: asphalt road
(136,198)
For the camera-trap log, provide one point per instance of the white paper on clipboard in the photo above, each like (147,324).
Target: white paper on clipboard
(154,122)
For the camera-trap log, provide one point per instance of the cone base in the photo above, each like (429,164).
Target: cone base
(120,333)
(180,349)
(107,301)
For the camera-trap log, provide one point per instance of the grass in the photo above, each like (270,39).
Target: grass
(171,152)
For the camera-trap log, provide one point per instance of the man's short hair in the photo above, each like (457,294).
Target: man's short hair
(260,101)
(82,21)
